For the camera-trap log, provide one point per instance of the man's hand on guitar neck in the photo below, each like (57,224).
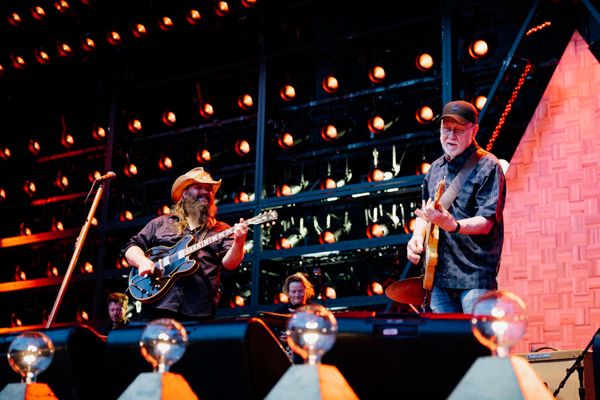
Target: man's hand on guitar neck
(436,214)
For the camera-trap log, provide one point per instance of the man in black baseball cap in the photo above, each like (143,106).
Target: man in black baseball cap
(471,227)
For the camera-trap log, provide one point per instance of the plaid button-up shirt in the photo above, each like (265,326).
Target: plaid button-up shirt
(470,261)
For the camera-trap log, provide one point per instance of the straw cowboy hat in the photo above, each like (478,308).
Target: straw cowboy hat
(196,175)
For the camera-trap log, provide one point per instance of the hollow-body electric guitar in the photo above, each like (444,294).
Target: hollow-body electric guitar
(173,262)
(432,238)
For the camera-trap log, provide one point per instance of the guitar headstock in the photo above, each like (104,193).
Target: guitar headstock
(263,217)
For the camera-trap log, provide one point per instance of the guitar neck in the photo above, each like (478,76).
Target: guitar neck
(212,239)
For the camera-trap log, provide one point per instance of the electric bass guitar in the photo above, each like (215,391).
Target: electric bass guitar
(173,262)
(432,237)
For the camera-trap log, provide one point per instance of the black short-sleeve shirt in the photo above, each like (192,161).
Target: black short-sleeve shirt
(195,295)
(470,261)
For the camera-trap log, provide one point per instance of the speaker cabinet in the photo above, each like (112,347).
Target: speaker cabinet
(77,370)
(404,356)
(226,359)
(552,368)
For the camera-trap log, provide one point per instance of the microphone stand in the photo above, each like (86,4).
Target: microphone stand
(78,246)
(579,367)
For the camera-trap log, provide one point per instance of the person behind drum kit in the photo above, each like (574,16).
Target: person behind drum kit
(117,312)
(471,229)
(194,296)
(299,291)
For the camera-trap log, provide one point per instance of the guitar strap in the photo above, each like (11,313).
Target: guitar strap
(457,183)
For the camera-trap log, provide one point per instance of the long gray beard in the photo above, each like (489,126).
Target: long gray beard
(196,211)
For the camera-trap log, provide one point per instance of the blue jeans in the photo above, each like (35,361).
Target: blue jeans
(445,300)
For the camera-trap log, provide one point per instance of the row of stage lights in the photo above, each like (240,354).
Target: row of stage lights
(88,43)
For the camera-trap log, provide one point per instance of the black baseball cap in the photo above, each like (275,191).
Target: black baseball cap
(461,111)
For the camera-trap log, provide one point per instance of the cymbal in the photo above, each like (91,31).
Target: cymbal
(407,291)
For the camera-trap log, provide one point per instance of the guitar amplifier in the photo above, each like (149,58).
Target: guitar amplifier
(552,368)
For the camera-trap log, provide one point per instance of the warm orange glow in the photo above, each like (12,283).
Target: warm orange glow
(330,293)
(41,56)
(1,70)
(538,28)
(126,215)
(193,16)
(99,133)
(14,19)
(64,50)
(61,182)
(38,12)
(287,93)
(283,243)
(169,118)
(283,190)
(281,298)
(330,84)
(222,8)
(139,30)
(122,263)
(92,176)
(242,147)
(166,23)
(88,44)
(20,275)
(29,188)
(329,133)
(67,140)
(238,301)
(328,183)
(376,175)
(130,170)
(375,289)
(423,168)
(206,110)
(478,48)
(18,62)
(245,102)
(34,147)
(2,194)
(479,102)
(376,124)
(83,316)
(95,221)
(376,230)
(327,237)
(377,74)
(165,163)
(203,156)
(114,38)
(424,61)
(285,140)
(241,197)
(134,125)
(164,210)
(61,6)
(249,3)
(6,153)
(424,115)
(411,224)
(51,271)
(57,226)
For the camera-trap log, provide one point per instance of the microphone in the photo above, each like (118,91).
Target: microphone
(106,177)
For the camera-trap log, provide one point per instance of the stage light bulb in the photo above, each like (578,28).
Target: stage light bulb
(166,24)
(2,194)
(18,62)
(88,44)
(377,74)
(376,124)
(134,125)
(165,163)
(287,93)
(99,133)
(206,110)
(479,102)
(130,170)
(424,115)
(311,332)
(34,147)
(139,30)
(330,293)
(327,237)
(64,50)
(330,84)
(203,156)
(285,140)
(61,6)
(38,13)
(6,153)
(329,133)
(328,183)
(375,289)
(42,56)
(67,140)
(193,16)
(30,354)
(113,38)
(245,102)
(14,19)
(423,168)
(376,175)
(499,321)
(222,8)
(424,61)
(248,3)
(478,48)
(242,147)
(163,343)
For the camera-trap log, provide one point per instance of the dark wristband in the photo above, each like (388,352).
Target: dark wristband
(457,228)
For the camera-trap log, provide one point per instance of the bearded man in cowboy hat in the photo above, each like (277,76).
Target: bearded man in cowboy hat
(195,296)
